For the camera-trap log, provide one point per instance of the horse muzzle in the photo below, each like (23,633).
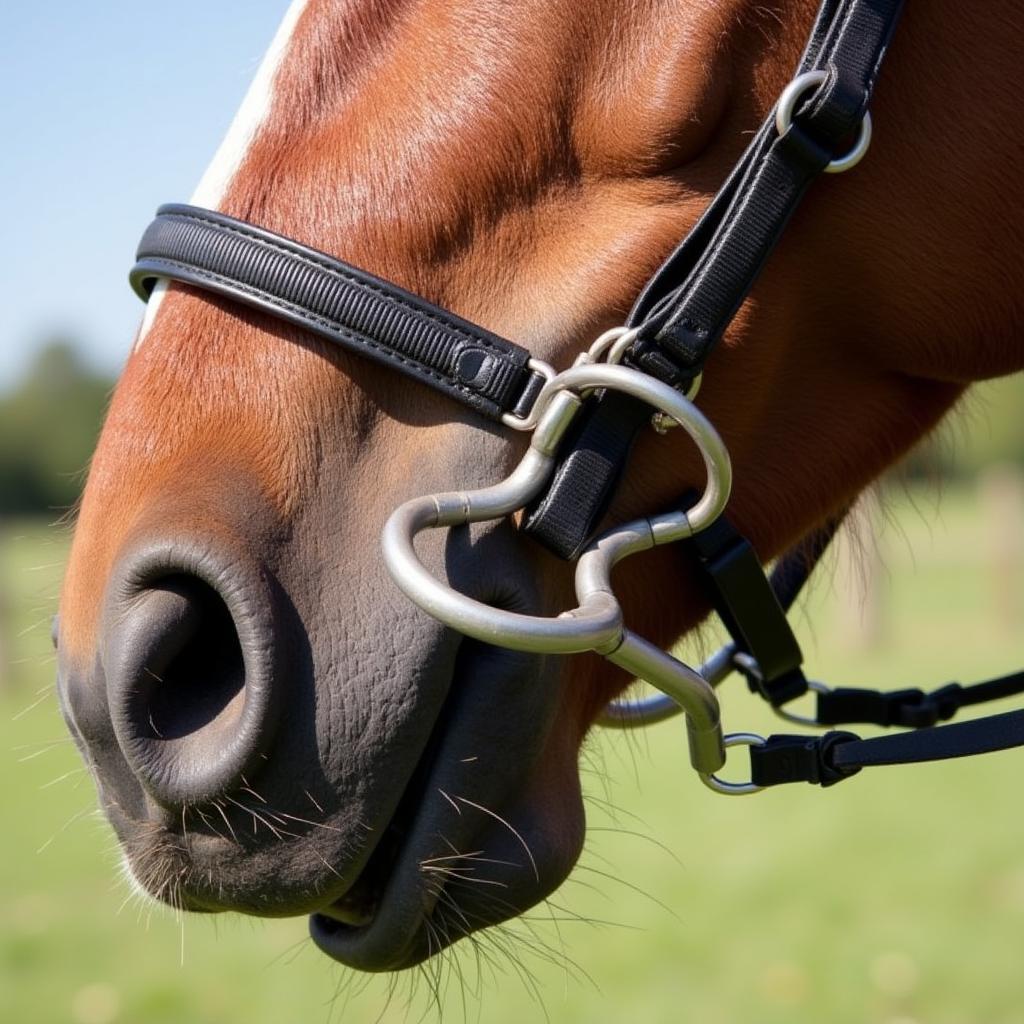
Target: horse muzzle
(244,749)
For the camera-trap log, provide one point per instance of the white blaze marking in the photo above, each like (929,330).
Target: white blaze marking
(229,156)
(250,116)
(156,296)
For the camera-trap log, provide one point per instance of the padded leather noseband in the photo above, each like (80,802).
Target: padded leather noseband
(338,302)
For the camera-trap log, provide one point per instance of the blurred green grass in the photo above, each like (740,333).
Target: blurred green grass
(896,898)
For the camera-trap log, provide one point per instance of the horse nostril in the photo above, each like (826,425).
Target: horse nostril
(190,686)
(192,681)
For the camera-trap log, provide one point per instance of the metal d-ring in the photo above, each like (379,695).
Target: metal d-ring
(784,118)
(612,343)
(747,664)
(712,781)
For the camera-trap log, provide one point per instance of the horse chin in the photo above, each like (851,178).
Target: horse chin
(490,823)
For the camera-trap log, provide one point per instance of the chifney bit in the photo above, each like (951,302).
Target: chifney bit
(642,373)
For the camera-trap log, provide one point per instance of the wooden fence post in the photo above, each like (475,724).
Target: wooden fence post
(1001,497)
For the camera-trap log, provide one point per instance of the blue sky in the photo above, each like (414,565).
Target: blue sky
(108,109)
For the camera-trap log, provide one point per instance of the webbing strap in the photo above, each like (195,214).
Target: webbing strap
(750,610)
(910,708)
(835,756)
(689,302)
(338,302)
(687,305)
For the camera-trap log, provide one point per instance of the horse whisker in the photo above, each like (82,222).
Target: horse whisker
(508,825)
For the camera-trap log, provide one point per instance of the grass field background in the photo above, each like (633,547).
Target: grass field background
(895,898)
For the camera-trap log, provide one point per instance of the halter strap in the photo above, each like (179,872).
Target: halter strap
(835,756)
(687,305)
(339,302)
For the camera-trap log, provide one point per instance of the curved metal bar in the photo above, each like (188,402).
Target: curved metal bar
(658,707)
(684,686)
(673,525)
(594,624)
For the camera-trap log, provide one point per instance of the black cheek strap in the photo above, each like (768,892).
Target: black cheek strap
(688,304)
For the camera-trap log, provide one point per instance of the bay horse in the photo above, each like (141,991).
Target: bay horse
(527,166)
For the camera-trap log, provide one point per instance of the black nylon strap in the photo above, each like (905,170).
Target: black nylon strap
(689,302)
(687,305)
(826,760)
(910,708)
(583,483)
(338,302)
(750,610)
(995,689)
(980,736)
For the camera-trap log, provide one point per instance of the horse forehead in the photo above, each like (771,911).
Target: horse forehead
(411,137)
(424,78)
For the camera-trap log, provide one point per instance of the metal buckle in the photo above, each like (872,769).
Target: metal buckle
(529,421)
(596,624)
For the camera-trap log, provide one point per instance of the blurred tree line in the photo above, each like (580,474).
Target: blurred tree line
(49,422)
(50,419)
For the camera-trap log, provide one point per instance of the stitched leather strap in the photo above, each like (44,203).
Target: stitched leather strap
(338,302)
(688,304)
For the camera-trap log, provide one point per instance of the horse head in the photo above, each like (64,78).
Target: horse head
(273,728)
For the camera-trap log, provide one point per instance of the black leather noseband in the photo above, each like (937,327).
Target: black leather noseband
(338,302)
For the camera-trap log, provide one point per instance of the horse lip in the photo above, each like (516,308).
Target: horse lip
(391,936)
(382,935)
(371,904)
(357,906)
(348,912)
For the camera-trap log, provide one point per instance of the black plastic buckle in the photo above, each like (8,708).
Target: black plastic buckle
(912,709)
(909,709)
(785,758)
(929,708)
